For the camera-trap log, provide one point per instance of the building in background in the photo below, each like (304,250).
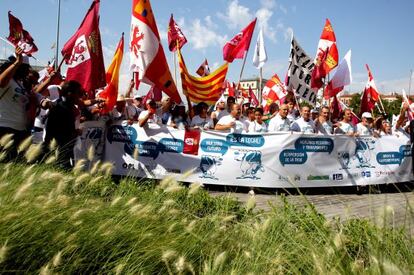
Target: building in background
(254,83)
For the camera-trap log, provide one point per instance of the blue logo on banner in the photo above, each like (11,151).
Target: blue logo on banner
(405,151)
(302,146)
(386,158)
(245,140)
(171,145)
(117,133)
(292,156)
(148,149)
(323,145)
(211,145)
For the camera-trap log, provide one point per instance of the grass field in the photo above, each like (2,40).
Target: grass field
(83,222)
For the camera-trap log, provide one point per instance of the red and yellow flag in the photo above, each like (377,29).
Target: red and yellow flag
(110,93)
(206,89)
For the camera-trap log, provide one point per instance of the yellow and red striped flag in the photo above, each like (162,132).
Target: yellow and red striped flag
(110,93)
(206,89)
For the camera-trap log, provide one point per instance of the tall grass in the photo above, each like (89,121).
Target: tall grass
(83,222)
(56,222)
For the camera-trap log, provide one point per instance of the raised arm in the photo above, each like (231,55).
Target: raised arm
(7,75)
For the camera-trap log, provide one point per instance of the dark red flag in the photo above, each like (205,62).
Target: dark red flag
(83,53)
(175,36)
(336,109)
(20,37)
(253,99)
(239,45)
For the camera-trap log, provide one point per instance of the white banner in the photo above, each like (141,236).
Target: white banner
(269,160)
(300,73)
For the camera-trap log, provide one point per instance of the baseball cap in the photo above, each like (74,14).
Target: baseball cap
(366,115)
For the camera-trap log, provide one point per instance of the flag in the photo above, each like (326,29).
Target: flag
(239,45)
(204,69)
(273,91)
(175,36)
(136,80)
(153,93)
(341,78)
(110,93)
(410,111)
(231,88)
(146,53)
(191,141)
(253,99)
(260,55)
(83,53)
(370,96)
(326,56)
(20,37)
(206,89)
(299,73)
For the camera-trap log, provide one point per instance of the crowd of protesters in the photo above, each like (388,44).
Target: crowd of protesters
(47,111)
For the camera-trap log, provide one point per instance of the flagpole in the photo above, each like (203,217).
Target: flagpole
(242,69)
(259,91)
(409,83)
(57,37)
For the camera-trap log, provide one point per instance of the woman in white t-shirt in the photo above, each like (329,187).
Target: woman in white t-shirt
(14,101)
(258,125)
(202,120)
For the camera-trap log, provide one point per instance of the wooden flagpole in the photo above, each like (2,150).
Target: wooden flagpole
(260,90)
(242,68)
(409,83)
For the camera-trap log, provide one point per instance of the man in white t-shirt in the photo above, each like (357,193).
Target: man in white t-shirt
(304,124)
(364,128)
(345,126)
(232,122)
(322,123)
(280,123)
(149,116)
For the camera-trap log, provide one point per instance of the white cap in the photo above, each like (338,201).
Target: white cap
(366,115)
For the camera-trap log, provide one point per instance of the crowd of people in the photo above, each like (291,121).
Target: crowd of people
(47,111)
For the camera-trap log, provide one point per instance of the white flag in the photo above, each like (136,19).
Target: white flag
(260,55)
(343,74)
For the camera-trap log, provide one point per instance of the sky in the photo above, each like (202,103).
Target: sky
(379,32)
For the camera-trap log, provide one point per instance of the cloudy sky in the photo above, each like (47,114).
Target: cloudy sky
(379,32)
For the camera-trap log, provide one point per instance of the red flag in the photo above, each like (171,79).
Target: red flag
(231,90)
(370,95)
(146,53)
(153,93)
(237,47)
(20,37)
(175,36)
(204,69)
(253,99)
(273,91)
(110,93)
(83,53)
(326,57)
(335,109)
(136,80)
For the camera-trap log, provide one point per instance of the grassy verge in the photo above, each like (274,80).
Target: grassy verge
(82,222)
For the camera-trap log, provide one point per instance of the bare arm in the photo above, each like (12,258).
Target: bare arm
(7,75)
(400,120)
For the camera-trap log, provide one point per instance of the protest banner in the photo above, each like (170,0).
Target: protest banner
(275,160)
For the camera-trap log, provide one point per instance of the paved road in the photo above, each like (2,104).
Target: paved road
(345,206)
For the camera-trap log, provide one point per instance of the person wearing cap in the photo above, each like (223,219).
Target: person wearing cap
(133,107)
(232,121)
(304,124)
(364,128)
(314,114)
(345,126)
(149,116)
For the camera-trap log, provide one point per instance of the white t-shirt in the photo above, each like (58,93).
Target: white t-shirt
(238,126)
(345,128)
(13,103)
(247,124)
(255,127)
(154,119)
(204,123)
(363,130)
(324,128)
(220,114)
(277,124)
(300,125)
(132,111)
(53,96)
